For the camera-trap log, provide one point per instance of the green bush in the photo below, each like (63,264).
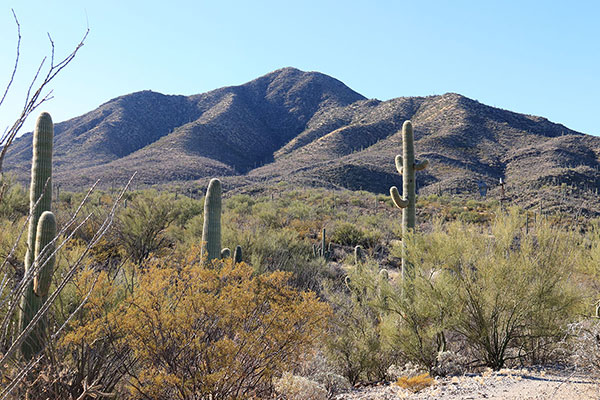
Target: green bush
(142,226)
(356,343)
(508,295)
(348,234)
(14,201)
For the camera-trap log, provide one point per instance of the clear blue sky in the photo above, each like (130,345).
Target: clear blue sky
(534,57)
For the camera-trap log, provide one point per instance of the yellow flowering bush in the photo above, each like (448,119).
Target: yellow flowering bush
(195,331)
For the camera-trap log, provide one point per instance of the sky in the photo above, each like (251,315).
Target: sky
(532,57)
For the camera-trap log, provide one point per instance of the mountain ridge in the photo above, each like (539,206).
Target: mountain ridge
(296,126)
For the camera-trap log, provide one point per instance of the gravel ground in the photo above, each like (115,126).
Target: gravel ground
(505,384)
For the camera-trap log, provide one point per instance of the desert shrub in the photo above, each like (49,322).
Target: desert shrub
(269,216)
(223,332)
(472,216)
(88,359)
(416,383)
(240,204)
(299,210)
(407,370)
(356,345)
(416,318)
(193,230)
(590,263)
(348,234)
(471,204)
(142,226)
(108,250)
(8,237)
(519,295)
(317,368)
(186,209)
(75,362)
(503,292)
(271,250)
(14,201)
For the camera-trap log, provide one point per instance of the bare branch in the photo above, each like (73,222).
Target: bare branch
(14,72)
(33,101)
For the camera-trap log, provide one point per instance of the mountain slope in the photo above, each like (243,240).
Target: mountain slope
(307,128)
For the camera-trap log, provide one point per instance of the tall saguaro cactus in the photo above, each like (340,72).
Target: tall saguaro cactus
(211,230)
(406,166)
(41,234)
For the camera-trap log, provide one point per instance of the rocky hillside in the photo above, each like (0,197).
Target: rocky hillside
(309,129)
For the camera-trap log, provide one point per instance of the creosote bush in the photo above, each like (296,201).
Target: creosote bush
(14,202)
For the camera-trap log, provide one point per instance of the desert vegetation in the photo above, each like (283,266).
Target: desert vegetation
(312,302)
(237,256)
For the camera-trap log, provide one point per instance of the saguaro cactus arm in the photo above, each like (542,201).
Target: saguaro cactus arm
(44,253)
(359,255)
(384,275)
(237,254)
(418,166)
(398,201)
(225,253)
(399,163)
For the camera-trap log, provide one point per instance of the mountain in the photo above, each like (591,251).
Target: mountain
(309,129)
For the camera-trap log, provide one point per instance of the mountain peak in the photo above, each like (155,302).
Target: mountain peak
(289,84)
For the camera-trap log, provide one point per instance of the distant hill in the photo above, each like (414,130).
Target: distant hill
(309,129)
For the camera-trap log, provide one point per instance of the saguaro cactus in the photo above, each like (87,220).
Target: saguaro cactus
(359,255)
(406,166)
(237,254)
(211,230)
(42,232)
(322,251)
